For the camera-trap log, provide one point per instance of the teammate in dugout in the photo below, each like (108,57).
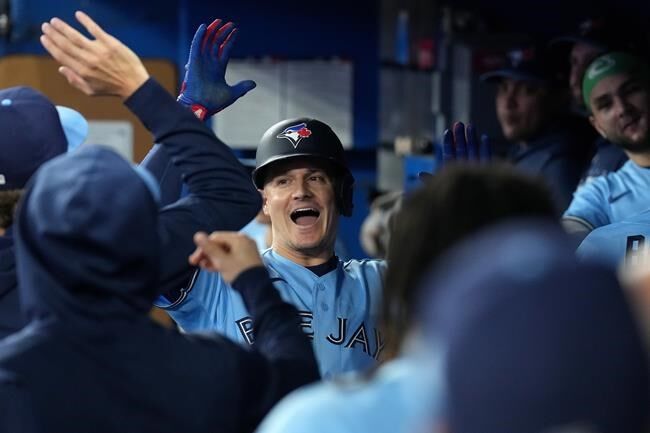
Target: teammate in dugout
(306,185)
(616,88)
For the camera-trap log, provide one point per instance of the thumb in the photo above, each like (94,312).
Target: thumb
(243,87)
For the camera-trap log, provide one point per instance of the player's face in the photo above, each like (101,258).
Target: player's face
(619,105)
(299,198)
(521,109)
(581,56)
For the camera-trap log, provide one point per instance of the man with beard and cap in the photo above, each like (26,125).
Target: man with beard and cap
(34,131)
(616,88)
(90,240)
(532,340)
(595,37)
(544,140)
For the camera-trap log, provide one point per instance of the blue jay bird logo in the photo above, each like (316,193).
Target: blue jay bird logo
(295,133)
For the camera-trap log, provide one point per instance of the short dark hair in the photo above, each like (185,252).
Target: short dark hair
(454,203)
(8,202)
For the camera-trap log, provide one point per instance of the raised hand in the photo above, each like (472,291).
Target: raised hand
(461,144)
(99,66)
(229,253)
(204,88)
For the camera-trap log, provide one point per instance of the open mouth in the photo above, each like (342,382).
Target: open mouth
(305,216)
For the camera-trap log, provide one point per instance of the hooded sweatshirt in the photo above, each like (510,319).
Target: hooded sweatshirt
(88,248)
(221,195)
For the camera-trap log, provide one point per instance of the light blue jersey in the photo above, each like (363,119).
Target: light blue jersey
(614,243)
(611,198)
(339,310)
(404,395)
(257,231)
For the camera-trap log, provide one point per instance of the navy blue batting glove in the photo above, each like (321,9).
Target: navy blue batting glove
(461,143)
(204,88)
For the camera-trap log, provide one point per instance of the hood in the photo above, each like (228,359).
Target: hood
(86,239)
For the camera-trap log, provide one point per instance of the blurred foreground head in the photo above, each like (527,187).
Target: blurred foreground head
(534,341)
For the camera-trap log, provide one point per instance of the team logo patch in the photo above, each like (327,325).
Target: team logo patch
(600,66)
(295,133)
(518,56)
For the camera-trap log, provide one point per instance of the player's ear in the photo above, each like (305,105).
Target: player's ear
(596,125)
(264,208)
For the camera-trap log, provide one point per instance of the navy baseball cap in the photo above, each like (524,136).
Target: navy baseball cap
(527,63)
(33,131)
(601,33)
(533,340)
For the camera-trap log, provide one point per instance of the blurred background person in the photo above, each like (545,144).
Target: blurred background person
(531,106)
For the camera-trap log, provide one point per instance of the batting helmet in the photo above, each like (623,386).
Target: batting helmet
(306,138)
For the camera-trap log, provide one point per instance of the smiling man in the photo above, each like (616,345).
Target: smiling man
(305,184)
(616,89)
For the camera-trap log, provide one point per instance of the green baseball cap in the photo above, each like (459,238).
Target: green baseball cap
(611,64)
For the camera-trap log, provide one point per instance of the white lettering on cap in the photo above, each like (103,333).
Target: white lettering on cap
(2,179)
(600,66)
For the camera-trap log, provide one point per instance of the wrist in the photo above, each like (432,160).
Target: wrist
(131,86)
(199,110)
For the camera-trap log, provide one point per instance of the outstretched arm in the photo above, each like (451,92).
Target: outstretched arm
(204,91)
(221,195)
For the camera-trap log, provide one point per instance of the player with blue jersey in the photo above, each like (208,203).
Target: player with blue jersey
(305,183)
(616,89)
(620,242)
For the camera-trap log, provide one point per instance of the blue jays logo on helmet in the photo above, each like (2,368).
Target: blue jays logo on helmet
(295,133)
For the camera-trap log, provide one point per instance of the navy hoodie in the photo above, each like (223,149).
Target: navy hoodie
(221,194)
(88,243)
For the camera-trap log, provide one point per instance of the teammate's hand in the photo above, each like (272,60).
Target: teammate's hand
(204,88)
(462,144)
(99,66)
(229,253)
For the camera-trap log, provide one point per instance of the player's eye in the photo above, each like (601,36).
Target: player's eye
(280,181)
(603,104)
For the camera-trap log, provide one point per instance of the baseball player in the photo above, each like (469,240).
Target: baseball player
(594,37)
(306,185)
(616,88)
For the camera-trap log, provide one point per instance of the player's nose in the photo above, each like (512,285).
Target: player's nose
(301,190)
